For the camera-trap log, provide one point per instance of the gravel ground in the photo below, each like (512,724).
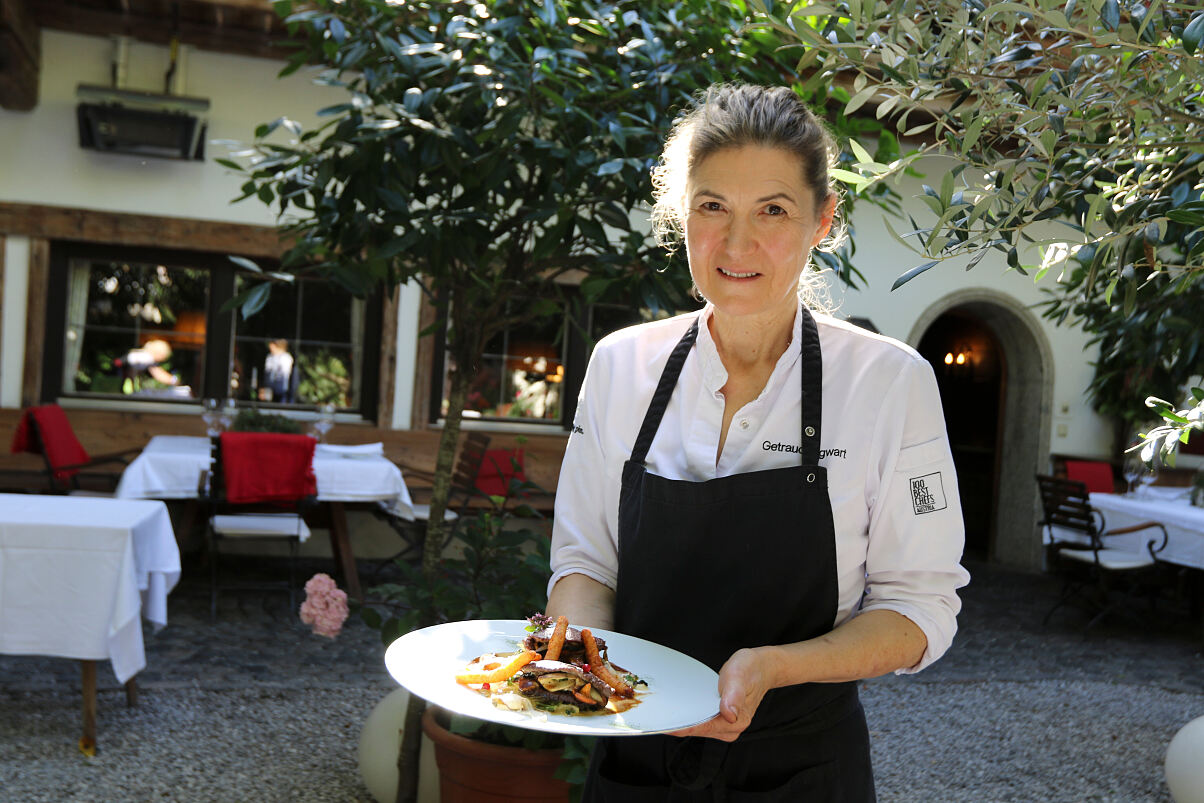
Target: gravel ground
(256,709)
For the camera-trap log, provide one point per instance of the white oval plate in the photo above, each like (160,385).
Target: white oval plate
(681,691)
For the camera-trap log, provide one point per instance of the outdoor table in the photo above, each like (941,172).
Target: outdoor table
(1167,506)
(170,468)
(75,575)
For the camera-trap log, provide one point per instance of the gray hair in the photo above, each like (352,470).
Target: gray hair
(732,116)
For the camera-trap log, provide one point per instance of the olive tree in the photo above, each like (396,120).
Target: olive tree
(1078,130)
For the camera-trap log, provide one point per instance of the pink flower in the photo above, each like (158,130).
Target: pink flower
(325,607)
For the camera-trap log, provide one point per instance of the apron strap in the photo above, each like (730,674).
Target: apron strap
(812,373)
(664,390)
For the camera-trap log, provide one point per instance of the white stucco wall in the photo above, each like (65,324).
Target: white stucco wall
(41,162)
(1075,427)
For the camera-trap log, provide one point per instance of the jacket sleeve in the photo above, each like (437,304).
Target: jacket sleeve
(583,541)
(916,532)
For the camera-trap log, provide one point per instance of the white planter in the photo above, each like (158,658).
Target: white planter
(1185,763)
(380,740)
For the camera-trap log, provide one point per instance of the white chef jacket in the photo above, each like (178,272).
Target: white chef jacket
(891,482)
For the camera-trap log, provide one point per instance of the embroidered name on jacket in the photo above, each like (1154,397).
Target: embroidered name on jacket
(928,493)
(766,446)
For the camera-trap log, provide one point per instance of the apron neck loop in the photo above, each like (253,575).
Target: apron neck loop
(664,390)
(812,374)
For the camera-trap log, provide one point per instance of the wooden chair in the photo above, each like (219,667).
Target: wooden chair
(1076,542)
(473,447)
(45,430)
(259,489)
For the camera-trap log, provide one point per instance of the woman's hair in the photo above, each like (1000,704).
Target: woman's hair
(732,116)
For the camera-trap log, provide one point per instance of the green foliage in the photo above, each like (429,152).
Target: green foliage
(250,420)
(324,379)
(1177,427)
(1075,132)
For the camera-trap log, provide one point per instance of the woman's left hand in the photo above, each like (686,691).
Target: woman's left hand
(743,681)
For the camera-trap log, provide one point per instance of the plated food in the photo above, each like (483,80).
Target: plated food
(557,669)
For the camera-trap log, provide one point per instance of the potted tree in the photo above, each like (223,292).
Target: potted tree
(502,568)
(493,152)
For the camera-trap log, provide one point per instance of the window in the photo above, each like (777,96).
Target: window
(532,373)
(147,324)
(304,347)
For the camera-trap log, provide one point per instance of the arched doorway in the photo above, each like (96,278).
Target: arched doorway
(969,364)
(1015,436)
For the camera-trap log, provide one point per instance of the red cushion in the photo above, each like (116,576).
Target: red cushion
(1095,474)
(59,443)
(497,469)
(268,467)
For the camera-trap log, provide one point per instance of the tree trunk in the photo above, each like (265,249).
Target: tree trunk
(432,548)
(432,545)
(408,752)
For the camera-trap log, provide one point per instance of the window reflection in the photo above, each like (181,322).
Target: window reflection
(134,329)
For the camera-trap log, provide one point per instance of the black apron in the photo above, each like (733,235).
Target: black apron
(742,561)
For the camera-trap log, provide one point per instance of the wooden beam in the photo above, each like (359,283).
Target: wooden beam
(20,56)
(2,249)
(214,29)
(251,5)
(35,321)
(120,228)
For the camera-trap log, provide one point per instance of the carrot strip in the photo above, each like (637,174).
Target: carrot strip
(600,669)
(556,643)
(504,672)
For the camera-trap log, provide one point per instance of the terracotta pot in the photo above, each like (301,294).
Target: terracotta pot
(476,772)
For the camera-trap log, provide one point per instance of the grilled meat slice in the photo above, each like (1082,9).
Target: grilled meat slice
(539,668)
(529,686)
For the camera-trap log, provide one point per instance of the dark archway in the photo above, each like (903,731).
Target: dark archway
(969,363)
(1023,420)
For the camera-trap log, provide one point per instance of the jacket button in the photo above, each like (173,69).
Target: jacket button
(744,424)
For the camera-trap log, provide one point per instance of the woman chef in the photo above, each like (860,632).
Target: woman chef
(766,489)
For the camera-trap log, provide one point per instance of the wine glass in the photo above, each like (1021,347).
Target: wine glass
(211,415)
(324,422)
(229,413)
(1133,469)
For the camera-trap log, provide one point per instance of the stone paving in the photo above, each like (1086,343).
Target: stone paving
(258,658)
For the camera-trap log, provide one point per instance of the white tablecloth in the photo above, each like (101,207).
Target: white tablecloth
(170,466)
(75,572)
(1184,523)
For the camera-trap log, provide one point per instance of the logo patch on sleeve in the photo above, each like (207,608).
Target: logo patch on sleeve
(928,493)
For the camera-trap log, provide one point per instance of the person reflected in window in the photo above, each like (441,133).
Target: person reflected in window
(278,373)
(146,361)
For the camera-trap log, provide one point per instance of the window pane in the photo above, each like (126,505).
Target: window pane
(135,329)
(300,348)
(324,317)
(520,374)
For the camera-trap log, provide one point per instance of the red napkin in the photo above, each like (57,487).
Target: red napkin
(497,469)
(59,443)
(268,467)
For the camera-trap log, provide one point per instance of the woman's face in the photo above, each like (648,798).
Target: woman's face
(751,222)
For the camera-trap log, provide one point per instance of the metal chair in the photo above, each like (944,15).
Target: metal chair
(45,430)
(1075,538)
(259,488)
